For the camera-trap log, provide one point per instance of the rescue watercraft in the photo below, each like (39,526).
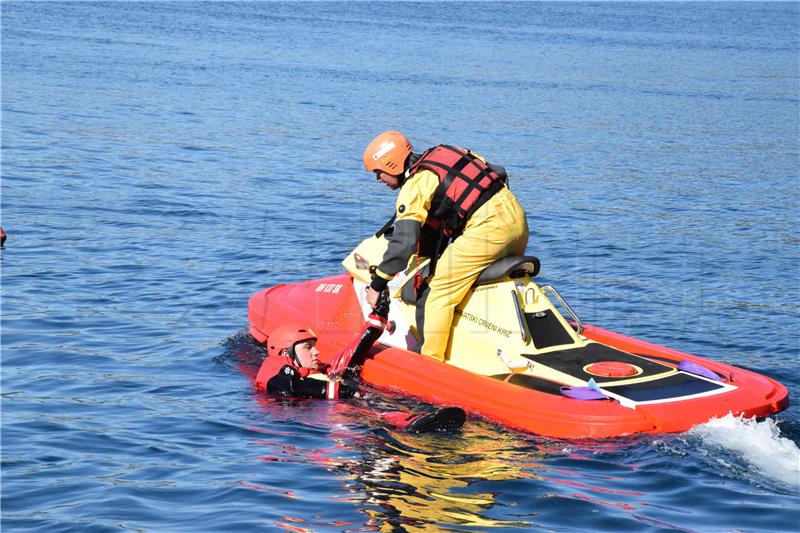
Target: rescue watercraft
(519,355)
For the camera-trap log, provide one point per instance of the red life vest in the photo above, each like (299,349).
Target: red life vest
(466,182)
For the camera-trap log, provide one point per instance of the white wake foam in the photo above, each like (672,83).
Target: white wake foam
(759,443)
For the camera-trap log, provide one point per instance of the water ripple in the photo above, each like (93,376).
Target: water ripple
(164,160)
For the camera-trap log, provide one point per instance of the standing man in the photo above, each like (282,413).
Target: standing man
(454,206)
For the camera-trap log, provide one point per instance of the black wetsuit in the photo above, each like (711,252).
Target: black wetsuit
(280,375)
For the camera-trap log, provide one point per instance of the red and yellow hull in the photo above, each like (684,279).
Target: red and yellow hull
(330,307)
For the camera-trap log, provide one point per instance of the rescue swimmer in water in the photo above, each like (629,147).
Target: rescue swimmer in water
(454,207)
(292,369)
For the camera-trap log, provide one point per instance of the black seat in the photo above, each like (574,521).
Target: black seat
(513,267)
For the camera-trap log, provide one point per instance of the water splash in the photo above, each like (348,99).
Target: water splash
(760,444)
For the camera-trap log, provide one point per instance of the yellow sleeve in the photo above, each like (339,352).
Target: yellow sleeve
(413,202)
(416,195)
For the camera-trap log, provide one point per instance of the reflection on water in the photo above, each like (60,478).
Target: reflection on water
(421,481)
(404,480)
(396,479)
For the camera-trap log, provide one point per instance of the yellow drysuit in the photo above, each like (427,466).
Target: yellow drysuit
(497,229)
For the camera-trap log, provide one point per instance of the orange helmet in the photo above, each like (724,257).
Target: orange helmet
(388,153)
(287,335)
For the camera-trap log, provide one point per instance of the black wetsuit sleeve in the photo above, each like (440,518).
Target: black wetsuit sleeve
(402,244)
(365,343)
(288,383)
(349,361)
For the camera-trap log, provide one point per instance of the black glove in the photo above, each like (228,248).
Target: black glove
(381,308)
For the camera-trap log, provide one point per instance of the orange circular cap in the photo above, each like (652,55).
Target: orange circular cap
(287,335)
(612,369)
(388,153)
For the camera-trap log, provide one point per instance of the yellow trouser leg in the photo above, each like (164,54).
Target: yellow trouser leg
(497,230)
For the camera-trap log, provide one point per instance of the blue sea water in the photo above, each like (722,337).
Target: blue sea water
(161,161)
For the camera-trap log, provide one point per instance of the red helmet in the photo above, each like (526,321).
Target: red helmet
(388,153)
(287,335)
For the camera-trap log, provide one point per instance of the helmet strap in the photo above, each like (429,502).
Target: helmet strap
(293,356)
(410,160)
